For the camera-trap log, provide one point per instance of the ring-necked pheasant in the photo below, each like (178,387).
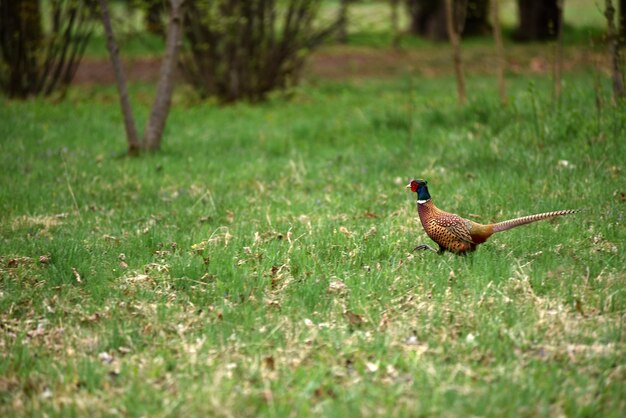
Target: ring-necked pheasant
(459,235)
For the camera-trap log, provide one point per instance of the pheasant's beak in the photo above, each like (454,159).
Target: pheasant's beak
(408,186)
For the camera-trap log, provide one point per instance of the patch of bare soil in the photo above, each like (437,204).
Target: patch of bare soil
(100,71)
(344,63)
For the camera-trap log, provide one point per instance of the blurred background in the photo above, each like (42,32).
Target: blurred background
(244,49)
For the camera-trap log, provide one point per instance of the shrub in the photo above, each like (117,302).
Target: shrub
(34,61)
(244,49)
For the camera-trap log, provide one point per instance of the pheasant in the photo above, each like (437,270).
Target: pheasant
(459,235)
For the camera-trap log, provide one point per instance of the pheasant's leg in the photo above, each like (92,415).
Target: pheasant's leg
(424,247)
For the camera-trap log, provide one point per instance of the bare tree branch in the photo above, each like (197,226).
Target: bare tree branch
(395,25)
(163,99)
(129,121)
(456,51)
(558,54)
(497,35)
(616,71)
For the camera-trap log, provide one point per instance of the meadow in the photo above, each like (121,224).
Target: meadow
(261,264)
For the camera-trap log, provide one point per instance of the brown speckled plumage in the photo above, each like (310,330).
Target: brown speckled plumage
(460,235)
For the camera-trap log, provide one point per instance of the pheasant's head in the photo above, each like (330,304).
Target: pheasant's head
(419,186)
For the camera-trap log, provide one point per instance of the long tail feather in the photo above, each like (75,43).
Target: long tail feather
(512,223)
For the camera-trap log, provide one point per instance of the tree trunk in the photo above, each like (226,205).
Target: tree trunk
(152,19)
(616,71)
(395,26)
(453,35)
(476,20)
(129,121)
(428,18)
(165,86)
(21,36)
(558,54)
(538,20)
(342,22)
(497,35)
(622,20)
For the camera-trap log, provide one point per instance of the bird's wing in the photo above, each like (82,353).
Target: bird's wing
(456,226)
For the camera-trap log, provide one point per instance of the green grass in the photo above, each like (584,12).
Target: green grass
(261,263)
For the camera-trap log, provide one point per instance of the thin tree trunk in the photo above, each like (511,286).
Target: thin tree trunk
(127,111)
(456,51)
(558,54)
(342,18)
(165,86)
(622,21)
(537,20)
(395,26)
(616,71)
(497,35)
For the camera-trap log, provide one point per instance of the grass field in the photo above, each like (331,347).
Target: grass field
(261,263)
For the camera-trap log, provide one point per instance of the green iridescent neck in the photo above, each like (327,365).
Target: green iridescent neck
(422,194)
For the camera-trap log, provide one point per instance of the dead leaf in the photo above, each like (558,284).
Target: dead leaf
(354,319)
(8,384)
(336,286)
(230,216)
(45,221)
(47,393)
(18,261)
(199,247)
(371,232)
(139,278)
(37,332)
(92,318)
(156,267)
(384,321)
(269,362)
(105,357)
(321,392)
(565,164)
(411,340)
(579,307)
(76,275)
(391,371)
(371,367)
(345,231)
(123,350)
